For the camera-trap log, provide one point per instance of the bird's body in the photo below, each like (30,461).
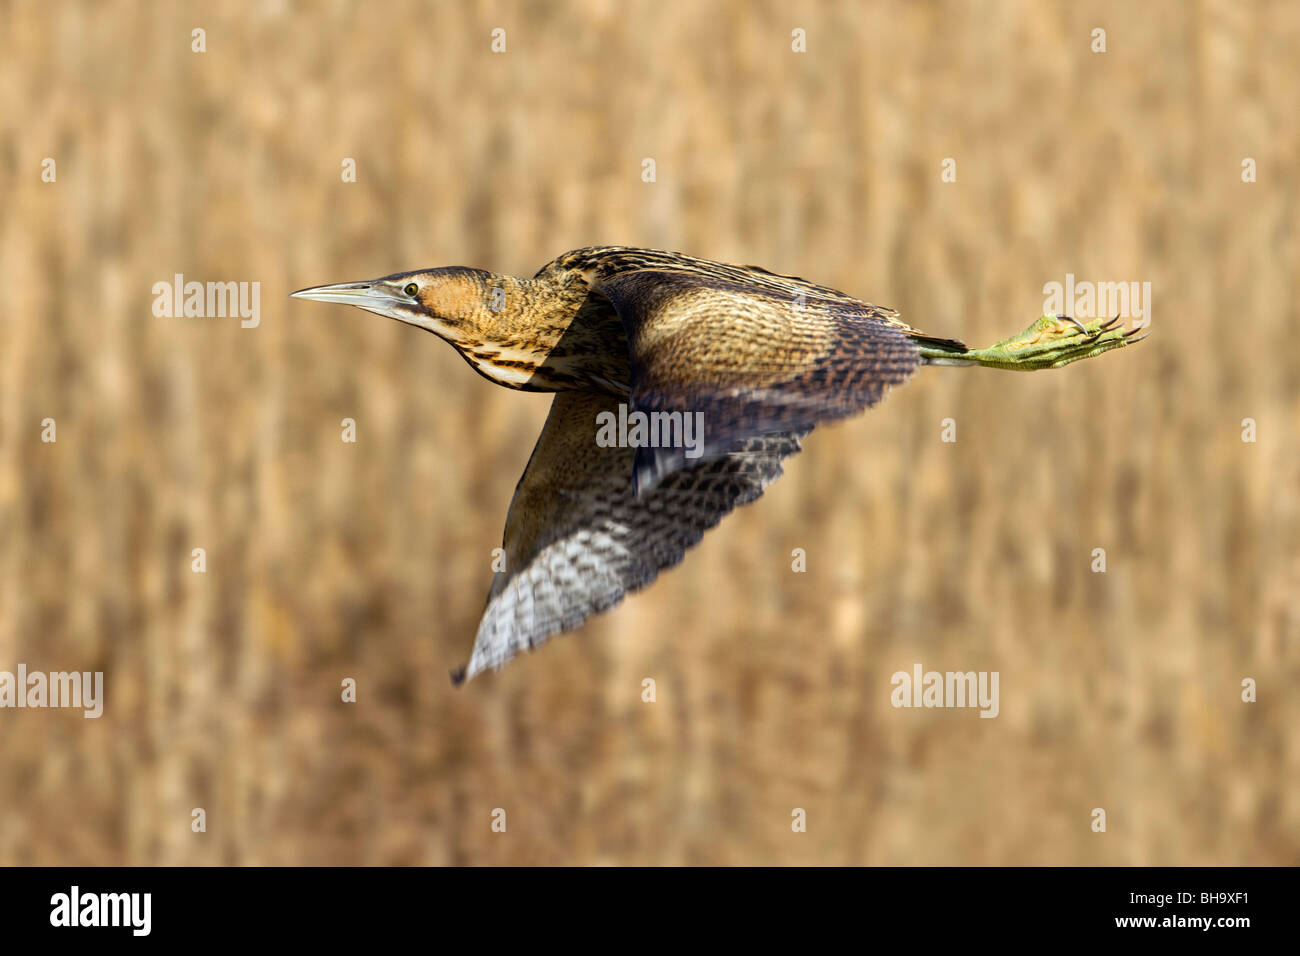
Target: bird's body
(758,359)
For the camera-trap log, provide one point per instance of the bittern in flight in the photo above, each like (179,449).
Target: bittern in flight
(758,359)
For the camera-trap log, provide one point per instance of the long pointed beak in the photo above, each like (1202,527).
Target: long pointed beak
(365,295)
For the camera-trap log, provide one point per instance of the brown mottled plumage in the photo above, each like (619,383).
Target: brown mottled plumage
(762,357)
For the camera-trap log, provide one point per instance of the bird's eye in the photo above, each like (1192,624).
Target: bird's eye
(410,289)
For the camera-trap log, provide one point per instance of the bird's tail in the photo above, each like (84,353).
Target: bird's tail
(938,346)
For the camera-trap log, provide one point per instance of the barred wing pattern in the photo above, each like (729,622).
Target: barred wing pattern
(578,537)
(749,358)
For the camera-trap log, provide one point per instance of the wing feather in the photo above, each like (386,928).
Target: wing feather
(578,537)
(750,358)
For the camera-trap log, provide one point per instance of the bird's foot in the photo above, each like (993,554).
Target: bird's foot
(1053,341)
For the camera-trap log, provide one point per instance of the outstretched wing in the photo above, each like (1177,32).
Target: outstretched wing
(753,352)
(578,537)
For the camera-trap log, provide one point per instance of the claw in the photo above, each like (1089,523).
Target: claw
(1134,331)
(1069,318)
(1101,330)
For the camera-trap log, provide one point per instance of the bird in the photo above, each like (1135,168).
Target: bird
(681,387)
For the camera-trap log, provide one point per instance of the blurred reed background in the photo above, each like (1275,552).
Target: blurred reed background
(328,560)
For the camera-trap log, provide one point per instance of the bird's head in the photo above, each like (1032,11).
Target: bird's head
(453,302)
(508,332)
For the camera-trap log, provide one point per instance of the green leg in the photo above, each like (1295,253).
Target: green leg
(1051,342)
